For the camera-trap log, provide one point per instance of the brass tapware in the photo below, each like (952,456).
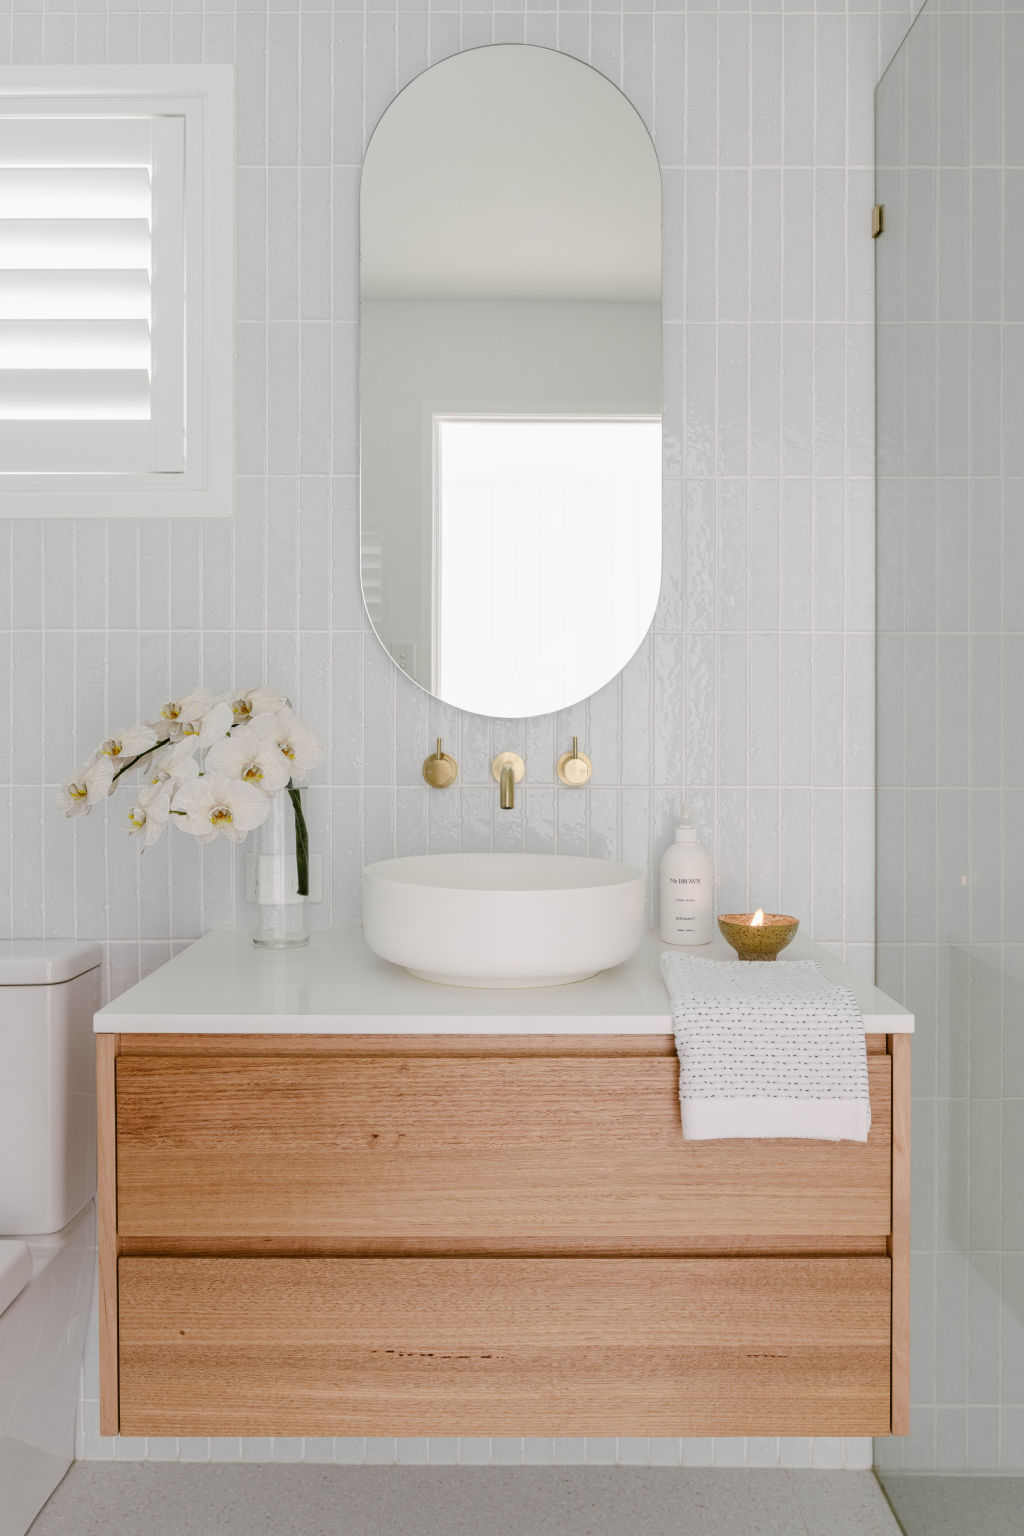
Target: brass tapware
(439,769)
(508,768)
(758,935)
(575,767)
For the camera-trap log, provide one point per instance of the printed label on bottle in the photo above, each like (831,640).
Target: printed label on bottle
(684,903)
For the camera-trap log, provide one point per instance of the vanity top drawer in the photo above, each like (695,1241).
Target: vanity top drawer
(459,1154)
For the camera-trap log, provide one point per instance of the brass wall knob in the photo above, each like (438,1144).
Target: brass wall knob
(575,767)
(439,769)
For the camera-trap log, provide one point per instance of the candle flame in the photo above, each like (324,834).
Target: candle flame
(757,921)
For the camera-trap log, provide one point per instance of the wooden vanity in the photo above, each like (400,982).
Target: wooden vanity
(411,1233)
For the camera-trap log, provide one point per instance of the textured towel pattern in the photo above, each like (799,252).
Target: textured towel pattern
(767,1050)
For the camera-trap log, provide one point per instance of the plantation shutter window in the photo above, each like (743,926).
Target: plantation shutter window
(116,294)
(92,294)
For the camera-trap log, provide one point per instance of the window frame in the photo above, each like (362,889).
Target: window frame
(203,95)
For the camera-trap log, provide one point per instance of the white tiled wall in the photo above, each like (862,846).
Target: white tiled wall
(754,690)
(852,1455)
(951,749)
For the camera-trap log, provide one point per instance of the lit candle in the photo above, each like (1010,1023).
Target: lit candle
(759,935)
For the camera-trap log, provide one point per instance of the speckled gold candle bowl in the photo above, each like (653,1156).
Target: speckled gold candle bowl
(758,941)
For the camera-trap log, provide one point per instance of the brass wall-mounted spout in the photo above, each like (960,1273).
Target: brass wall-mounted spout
(508,768)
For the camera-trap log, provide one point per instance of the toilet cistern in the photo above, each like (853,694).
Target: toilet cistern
(508,768)
(49,991)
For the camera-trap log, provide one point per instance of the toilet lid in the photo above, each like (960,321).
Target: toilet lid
(35,962)
(15,1270)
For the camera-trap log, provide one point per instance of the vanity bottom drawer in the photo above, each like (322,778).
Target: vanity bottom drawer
(323,1346)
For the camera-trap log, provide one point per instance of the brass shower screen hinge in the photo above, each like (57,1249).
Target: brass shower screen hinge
(877,220)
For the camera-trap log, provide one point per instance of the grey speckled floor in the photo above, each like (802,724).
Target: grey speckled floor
(957,1506)
(143,1499)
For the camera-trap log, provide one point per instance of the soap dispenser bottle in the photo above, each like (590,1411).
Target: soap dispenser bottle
(686,909)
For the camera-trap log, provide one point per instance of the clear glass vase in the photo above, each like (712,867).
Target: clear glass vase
(281,874)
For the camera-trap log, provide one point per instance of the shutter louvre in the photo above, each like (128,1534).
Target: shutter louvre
(74,394)
(74,192)
(74,243)
(61,294)
(106,343)
(29,139)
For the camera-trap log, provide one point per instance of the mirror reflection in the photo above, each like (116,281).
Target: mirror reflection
(510,380)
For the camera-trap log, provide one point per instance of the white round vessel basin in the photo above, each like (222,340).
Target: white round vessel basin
(503,919)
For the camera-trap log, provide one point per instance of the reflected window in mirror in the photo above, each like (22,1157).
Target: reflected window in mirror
(539,524)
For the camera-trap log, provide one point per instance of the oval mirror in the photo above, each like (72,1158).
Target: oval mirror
(510,380)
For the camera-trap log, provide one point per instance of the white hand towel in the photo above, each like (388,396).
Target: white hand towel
(767,1050)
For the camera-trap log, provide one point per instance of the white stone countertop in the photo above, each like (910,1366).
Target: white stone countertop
(224,984)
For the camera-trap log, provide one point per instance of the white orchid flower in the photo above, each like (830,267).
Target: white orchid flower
(205,730)
(148,816)
(299,746)
(92,783)
(73,798)
(257,701)
(175,764)
(216,806)
(249,755)
(124,745)
(178,713)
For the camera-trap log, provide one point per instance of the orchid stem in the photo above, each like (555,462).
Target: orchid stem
(125,766)
(301,840)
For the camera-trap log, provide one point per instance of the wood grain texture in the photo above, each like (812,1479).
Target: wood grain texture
(106,1227)
(412,1045)
(398,1045)
(752,1245)
(899,1242)
(555,1152)
(505,1346)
